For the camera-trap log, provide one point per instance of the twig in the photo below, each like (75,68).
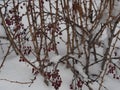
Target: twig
(103,73)
(7,53)
(3,37)
(11,81)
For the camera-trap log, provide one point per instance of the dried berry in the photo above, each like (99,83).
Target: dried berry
(8,22)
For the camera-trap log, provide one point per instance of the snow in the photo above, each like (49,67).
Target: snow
(113,84)
(55,58)
(116,9)
(79,68)
(14,71)
(105,16)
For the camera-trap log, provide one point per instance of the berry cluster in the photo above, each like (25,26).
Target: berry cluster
(21,59)
(113,70)
(26,50)
(76,84)
(54,77)
(53,28)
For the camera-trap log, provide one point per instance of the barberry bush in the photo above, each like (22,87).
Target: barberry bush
(87,31)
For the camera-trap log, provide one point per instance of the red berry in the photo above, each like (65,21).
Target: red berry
(10,11)
(71,86)
(21,7)
(33,70)
(8,22)
(117,78)
(23,3)
(114,75)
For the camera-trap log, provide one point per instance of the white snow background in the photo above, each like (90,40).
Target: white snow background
(16,71)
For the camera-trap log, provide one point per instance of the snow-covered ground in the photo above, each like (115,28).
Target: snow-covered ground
(15,71)
(15,75)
